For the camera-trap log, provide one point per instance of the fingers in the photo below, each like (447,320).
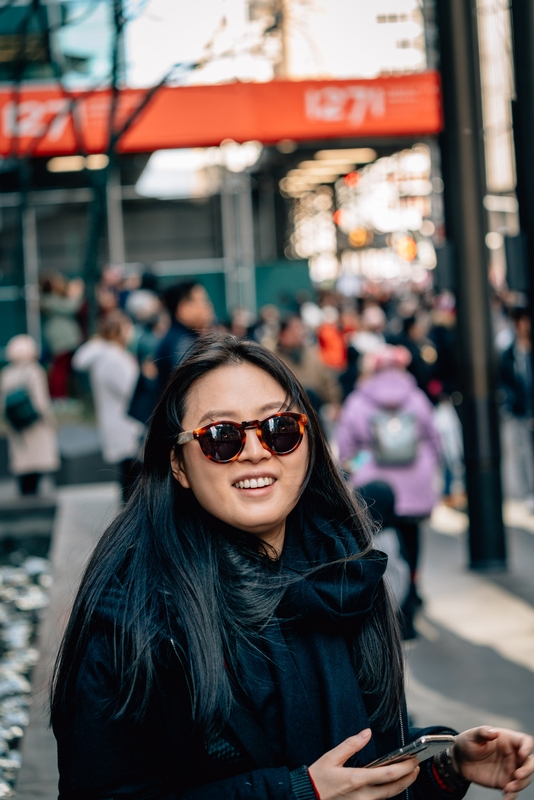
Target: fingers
(379,790)
(522,775)
(527,767)
(393,772)
(516,786)
(523,743)
(340,754)
(511,790)
(513,741)
(525,748)
(334,782)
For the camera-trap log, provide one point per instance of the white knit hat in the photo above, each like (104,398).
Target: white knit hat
(22,348)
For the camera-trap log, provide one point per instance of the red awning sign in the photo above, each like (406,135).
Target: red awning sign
(40,123)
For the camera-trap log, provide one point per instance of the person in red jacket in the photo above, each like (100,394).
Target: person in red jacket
(332,344)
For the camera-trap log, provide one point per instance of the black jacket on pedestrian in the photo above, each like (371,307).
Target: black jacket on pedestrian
(516,382)
(171,350)
(298,696)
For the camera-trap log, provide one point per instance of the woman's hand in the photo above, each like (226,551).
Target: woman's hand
(495,757)
(333,781)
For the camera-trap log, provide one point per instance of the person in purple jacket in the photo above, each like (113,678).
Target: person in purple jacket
(386,433)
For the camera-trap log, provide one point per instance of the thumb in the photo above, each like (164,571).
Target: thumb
(485,734)
(340,754)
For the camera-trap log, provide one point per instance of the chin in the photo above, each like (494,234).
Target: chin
(261,528)
(257,528)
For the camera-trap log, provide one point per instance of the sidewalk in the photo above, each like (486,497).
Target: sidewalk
(82,514)
(472,664)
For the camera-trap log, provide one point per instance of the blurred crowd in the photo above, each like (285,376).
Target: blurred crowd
(381,372)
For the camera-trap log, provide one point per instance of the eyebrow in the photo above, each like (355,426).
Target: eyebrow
(215,414)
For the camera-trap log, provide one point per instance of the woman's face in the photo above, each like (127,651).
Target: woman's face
(241,392)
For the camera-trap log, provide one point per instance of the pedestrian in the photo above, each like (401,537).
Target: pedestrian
(109,290)
(232,638)
(31,425)
(449,427)
(303,359)
(370,336)
(443,336)
(386,432)
(423,353)
(331,340)
(144,307)
(515,371)
(191,313)
(380,502)
(242,323)
(61,302)
(267,326)
(113,373)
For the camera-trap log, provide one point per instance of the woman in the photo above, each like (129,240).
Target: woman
(386,433)
(232,637)
(32,438)
(114,372)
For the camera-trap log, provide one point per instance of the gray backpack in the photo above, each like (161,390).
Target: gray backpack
(395,438)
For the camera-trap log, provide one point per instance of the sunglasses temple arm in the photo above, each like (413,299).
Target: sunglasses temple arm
(186,436)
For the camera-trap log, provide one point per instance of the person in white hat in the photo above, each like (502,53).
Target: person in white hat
(33,447)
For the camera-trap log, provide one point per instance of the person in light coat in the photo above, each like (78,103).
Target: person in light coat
(114,373)
(33,450)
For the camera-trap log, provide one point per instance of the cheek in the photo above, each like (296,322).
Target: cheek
(206,480)
(215,495)
(301,463)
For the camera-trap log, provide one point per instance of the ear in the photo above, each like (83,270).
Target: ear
(178,471)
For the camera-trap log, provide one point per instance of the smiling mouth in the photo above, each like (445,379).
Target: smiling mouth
(254,483)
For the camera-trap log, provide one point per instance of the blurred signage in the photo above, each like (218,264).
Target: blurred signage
(39,120)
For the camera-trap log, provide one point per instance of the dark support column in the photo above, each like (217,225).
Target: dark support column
(463,172)
(523,118)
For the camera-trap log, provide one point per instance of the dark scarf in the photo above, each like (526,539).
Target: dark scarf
(301,680)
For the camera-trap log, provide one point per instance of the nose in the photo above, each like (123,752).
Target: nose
(253,450)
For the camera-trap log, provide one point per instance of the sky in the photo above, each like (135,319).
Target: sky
(326,38)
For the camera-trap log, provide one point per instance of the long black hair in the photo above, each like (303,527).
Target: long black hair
(173,571)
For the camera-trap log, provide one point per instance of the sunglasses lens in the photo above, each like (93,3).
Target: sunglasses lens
(221,442)
(281,434)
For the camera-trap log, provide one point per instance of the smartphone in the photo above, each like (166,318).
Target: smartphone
(423,748)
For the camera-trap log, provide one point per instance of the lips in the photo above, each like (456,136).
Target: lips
(255,483)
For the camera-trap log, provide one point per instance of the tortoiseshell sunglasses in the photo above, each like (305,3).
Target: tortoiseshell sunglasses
(224,441)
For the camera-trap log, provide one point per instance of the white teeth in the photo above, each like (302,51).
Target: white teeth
(253,483)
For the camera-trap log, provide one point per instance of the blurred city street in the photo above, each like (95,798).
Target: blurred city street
(346,189)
